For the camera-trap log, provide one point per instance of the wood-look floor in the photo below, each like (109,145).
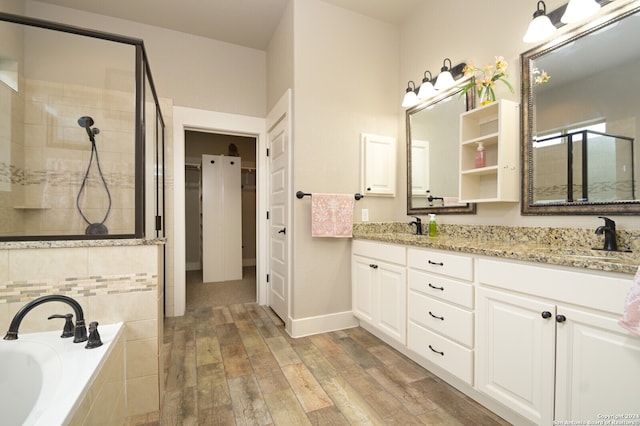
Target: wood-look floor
(235,365)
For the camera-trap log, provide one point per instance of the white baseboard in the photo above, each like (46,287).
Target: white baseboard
(323,324)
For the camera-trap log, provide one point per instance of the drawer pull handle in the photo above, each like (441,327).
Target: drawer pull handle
(436,263)
(435,316)
(373,265)
(438,352)
(436,288)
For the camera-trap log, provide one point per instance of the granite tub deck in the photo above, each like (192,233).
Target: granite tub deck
(554,246)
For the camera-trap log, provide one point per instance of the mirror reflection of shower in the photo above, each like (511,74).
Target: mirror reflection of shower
(93,228)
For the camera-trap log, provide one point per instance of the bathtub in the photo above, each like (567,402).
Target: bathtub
(44,378)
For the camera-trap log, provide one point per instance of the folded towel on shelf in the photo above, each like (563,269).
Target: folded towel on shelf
(631,318)
(332,215)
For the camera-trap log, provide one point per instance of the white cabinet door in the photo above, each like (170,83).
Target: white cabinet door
(392,300)
(363,288)
(597,368)
(378,165)
(515,353)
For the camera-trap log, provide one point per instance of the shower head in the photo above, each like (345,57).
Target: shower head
(86,122)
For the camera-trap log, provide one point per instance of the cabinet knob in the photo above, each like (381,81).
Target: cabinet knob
(438,352)
(436,288)
(561,318)
(546,315)
(373,265)
(368,189)
(435,316)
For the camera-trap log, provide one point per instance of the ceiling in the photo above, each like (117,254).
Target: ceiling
(248,23)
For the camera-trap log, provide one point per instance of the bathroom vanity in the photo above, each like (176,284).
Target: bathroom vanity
(528,330)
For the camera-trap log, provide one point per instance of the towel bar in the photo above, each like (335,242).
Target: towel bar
(301,195)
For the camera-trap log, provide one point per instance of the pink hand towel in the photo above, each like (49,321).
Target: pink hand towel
(631,318)
(332,215)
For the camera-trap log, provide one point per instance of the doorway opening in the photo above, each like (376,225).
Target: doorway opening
(240,289)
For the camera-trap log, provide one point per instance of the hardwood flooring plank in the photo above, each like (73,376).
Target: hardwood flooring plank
(236,361)
(306,387)
(268,373)
(180,407)
(249,407)
(326,345)
(222,315)
(412,398)
(352,406)
(228,334)
(216,416)
(328,416)
(253,341)
(285,408)
(208,350)
(282,351)
(213,389)
(358,353)
(315,361)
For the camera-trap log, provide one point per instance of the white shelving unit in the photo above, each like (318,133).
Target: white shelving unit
(496,126)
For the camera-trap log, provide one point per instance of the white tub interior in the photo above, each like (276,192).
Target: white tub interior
(43,377)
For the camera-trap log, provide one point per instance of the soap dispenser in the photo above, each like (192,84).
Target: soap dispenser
(433,227)
(481,160)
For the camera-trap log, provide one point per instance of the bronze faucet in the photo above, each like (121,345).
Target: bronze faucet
(80,331)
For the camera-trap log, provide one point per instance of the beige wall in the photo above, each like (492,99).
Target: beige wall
(345,69)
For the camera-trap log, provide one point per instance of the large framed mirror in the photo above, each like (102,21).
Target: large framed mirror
(433,150)
(580,128)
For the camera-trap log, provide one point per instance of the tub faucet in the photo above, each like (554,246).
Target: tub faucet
(609,231)
(80,331)
(418,224)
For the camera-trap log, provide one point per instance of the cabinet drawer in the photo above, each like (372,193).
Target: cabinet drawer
(448,355)
(442,263)
(443,288)
(387,252)
(443,318)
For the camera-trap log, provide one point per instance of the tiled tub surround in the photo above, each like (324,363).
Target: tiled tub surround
(556,246)
(43,170)
(113,280)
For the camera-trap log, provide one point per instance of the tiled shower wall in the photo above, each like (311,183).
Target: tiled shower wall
(42,166)
(114,281)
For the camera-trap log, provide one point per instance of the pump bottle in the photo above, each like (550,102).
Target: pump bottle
(480,156)
(433,227)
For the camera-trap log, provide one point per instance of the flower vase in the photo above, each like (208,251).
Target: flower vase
(487,96)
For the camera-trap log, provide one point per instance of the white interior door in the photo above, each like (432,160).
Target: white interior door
(278,286)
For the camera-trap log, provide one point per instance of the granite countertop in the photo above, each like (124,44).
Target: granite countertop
(107,242)
(511,243)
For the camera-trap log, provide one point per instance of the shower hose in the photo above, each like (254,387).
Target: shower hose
(97,228)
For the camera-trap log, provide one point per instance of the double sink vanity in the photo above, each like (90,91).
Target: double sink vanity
(524,320)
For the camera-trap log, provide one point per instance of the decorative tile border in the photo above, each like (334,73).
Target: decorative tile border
(24,291)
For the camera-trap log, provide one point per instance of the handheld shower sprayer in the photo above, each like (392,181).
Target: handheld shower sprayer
(94,228)
(86,122)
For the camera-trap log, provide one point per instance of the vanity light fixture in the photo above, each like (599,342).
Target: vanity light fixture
(540,27)
(410,98)
(445,79)
(578,10)
(426,89)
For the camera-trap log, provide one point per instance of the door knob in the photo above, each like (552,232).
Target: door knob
(283,231)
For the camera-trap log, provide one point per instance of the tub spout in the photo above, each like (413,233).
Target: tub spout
(80,331)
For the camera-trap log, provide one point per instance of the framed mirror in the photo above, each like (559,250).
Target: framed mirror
(433,150)
(580,128)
